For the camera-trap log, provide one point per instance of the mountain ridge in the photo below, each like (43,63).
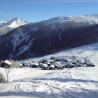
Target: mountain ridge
(38,39)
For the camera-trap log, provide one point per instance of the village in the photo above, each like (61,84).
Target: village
(52,63)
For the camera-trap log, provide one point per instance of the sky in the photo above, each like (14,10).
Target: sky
(37,10)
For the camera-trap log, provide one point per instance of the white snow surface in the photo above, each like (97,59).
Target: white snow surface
(36,83)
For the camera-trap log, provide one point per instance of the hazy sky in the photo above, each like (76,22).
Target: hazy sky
(36,10)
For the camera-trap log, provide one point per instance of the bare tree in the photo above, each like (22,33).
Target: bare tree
(8,70)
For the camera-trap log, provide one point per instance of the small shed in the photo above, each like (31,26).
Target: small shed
(10,64)
(5,64)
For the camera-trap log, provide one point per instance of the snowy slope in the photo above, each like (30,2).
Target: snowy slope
(90,51)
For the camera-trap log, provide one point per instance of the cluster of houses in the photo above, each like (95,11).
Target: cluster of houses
(61,62)
(53,63)
(65,62)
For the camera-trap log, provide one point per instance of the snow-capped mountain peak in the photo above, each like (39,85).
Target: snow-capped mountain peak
(6,26)
(16,22)
(13,23)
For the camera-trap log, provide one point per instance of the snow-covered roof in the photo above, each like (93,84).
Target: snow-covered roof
(8,62)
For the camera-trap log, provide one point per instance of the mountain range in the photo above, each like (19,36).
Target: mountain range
(45,37)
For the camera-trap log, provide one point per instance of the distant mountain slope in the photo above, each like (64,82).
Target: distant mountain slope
(7,26)
(49,36)
(89,51)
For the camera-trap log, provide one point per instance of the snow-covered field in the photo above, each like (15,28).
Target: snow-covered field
(68,83)
(81,82)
